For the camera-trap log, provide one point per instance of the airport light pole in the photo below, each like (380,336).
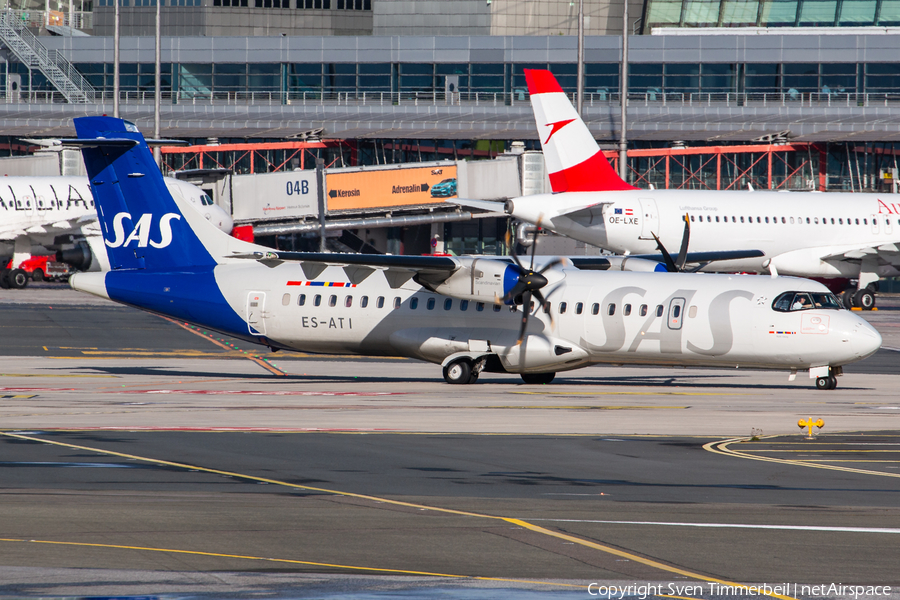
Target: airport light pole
(157,151)
(580,84)
(623,86)
(116,61)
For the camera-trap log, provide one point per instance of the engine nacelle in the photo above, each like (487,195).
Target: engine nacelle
(542,354)
(477,279)
(633,263)
(79,257)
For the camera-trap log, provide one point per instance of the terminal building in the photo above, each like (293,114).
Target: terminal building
(797,94)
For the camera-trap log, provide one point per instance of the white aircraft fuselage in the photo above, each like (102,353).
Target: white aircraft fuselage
(798,232)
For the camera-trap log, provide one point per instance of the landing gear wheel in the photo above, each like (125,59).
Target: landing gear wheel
(4,279)
(459,372)
(537,378)
(847,298)
(37,275)
(826,383)
(18,279)
(864,299)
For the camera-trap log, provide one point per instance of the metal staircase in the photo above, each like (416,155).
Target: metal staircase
(55,67)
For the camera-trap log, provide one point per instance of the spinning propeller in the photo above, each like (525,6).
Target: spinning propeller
(529,283)
(677,265)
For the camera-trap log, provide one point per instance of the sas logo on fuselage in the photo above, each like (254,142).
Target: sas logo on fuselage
(141,231)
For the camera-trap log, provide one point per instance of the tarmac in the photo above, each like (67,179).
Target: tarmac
(141,456)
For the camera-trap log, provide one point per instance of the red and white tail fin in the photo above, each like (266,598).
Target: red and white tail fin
(574,161)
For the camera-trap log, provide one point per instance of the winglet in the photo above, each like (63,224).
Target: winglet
(574,160)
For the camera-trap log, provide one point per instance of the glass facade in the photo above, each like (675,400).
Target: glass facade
(317,80)
(771,13)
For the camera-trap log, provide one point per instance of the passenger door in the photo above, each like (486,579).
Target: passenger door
(649,218)
(676,313)
(256,304)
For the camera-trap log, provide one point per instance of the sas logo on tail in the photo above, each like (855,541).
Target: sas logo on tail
(141,231)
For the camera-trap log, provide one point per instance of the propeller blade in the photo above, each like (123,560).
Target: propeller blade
(526,302)
(545,305)
(685,241)
(667,258)
(553,263)
(511,247)
(533,248)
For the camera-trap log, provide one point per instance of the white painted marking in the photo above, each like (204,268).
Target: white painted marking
(736,526)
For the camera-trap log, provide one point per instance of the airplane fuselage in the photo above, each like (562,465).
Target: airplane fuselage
(794,230)
(598,317)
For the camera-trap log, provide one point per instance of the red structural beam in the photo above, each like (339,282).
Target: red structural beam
(251,147)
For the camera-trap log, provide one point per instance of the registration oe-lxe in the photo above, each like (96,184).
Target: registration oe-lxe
(468,314)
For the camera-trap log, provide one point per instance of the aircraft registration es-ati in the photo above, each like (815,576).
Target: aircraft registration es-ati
(835,237)
(468,314)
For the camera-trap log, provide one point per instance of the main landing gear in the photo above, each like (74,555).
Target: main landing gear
(16,279)
(464,370)
(864,298)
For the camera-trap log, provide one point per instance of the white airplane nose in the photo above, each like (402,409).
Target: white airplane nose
(865,339)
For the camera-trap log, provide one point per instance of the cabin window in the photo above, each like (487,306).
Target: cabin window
(742,218)
(531,306)
(413,303)
(840,221)
(792,220)
(448,303)
(708,219)
(692,216)
(734,220)
(430,304)
(717,216)
(676,311)
(759,219)
(396,302)
(463,305)
(379,302)
(479,306)
(659,310)
(547,307)
(832,221)
(332,301)
(595,309)
(364,302)
(611,309)
(784,221)
(767,219)
(563,305)
(643,310)
(692,312)
(865,221)
(317,301)
(579,307)
(815,221)
(626,310)
(497,308)
(301,299)
(286,299)
(348,301)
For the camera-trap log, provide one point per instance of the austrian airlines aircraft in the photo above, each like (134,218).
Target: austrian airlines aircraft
(43,215)
(835,236)
(468,314)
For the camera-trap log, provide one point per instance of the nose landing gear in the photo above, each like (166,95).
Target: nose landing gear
(829,382)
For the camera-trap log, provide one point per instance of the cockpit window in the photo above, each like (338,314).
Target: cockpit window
(206,200)
(794,301)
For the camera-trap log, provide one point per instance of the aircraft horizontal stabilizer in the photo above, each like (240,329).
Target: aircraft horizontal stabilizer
(488,205)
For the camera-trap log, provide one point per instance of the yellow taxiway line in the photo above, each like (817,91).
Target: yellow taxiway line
(722,447)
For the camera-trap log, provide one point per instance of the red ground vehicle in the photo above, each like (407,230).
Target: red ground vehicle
(36,268)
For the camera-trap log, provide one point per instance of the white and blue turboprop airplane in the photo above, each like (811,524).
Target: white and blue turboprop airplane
(468,314)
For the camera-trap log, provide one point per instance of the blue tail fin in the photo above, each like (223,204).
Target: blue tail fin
(142,225)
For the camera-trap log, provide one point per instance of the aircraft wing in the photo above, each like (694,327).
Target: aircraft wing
(488,205)
(708,257)
(890,253)
(397,268)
